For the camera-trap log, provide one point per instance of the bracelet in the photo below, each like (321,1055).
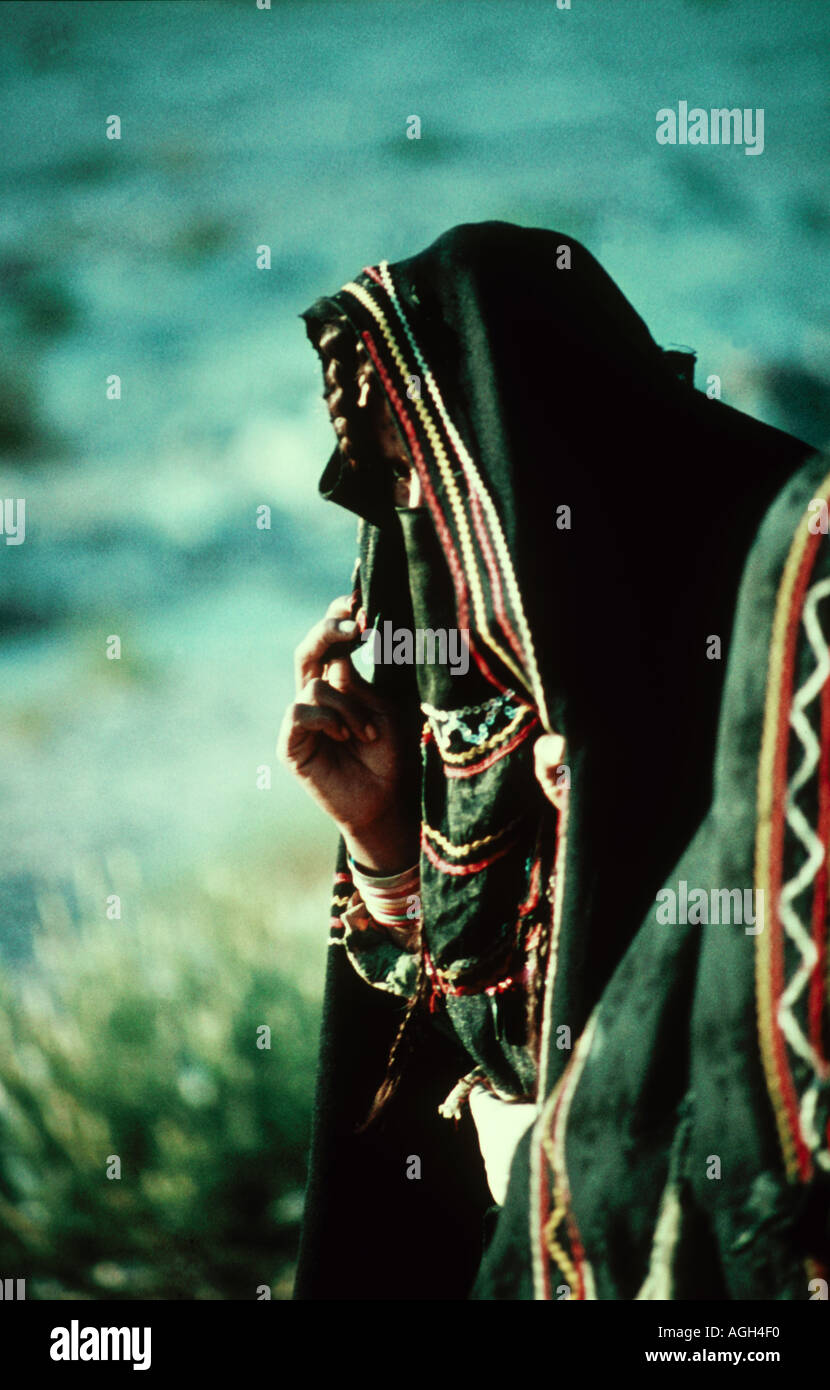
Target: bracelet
(389,898)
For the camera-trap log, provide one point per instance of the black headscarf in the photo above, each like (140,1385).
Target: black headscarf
(587,519)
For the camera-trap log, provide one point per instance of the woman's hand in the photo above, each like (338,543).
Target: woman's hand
(548,755)
(342,740)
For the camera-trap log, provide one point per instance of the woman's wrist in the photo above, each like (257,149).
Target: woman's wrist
(384,848)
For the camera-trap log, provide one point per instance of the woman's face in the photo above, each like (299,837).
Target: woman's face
(360,412)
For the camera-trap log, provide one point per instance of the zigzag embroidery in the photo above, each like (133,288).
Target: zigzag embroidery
(450,848)
(814,848)
(475,752)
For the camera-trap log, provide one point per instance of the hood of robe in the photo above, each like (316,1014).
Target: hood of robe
(586,518)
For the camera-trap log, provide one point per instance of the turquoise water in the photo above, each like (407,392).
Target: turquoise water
(287,127)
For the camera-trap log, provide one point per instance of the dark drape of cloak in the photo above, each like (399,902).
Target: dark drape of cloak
(588,517)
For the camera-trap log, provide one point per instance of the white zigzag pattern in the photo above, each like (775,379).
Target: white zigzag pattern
(797,822)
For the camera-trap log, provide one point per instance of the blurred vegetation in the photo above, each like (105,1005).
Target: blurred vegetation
(141,1042)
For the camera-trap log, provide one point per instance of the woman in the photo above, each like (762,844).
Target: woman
(531,470)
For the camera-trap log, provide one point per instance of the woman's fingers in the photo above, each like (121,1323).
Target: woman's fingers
(315,650)
(548,754)
(321,710)
(356,718)
(339,607)
(326,652)
(300,729)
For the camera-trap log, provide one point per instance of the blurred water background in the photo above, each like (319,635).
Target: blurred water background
(286,127)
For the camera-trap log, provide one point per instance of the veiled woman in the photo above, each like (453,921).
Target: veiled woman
(525,1069)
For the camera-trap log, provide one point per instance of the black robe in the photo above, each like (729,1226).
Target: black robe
(588,519)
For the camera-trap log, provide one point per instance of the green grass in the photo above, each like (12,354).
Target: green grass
(140,1041)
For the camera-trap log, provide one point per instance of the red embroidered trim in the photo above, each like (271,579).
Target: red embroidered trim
(493,757)
(440,522)
(534,889)
(776,852)
(817,983)
(438,516)
(479,525)
(492,570)
(441,986)
(462,870)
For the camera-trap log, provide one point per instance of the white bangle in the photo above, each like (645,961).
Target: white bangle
(393,900)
